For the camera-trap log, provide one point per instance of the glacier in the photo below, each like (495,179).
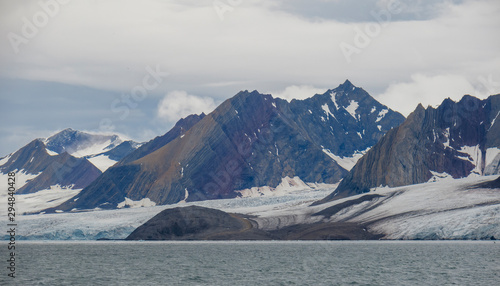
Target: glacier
(444,209)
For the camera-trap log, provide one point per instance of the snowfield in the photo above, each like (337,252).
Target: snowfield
(446,209)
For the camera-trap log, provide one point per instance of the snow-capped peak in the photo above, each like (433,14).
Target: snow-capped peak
(81,144)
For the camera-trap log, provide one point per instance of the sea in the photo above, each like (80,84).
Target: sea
(254,263)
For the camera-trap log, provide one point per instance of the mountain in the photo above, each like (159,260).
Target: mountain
(180,128)
(38,169)
(346,121)
(454,140)
(249,143)
(68,160)
(102,150)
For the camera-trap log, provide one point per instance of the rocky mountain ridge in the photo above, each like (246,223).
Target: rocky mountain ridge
(250,140)
(456,140)
(69,159)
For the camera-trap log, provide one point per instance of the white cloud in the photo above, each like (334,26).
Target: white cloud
(178,104)
(298,92)
(189,41)
(259,44)
(428,90)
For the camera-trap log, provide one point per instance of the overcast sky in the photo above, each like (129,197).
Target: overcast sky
(136,67)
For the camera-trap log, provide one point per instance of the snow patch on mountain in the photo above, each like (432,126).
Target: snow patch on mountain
(494,119)
(346,162)
(382,114)
(102,162)
(436,176)
(446,134)
(327,111)
(333,94)
(474,156)
(48,198)
(51,153)
(4,160)
(352,107)
(286,185)
(21,178)
(146,202)
(186,196)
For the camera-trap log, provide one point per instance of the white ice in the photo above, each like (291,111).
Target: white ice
(449,209)
(102,162)
(381,114)
(146,202)
(346,162)
(333,94)
(475,157)
(352,107)
(327,111)
(51,153)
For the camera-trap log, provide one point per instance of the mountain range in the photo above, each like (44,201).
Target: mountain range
(456,140)
(250,144)
(67,160)
(337,165)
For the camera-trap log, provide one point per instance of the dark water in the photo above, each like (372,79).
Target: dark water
(255,263)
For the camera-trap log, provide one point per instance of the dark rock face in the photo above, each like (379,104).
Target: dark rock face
(349,119)
(453,139)
(250,140)
(62,169)
(190,223)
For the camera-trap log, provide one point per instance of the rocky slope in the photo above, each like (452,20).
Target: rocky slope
(180,128)
(38,170)
(456,139)
(251,140)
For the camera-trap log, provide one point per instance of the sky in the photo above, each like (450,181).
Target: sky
(135,67)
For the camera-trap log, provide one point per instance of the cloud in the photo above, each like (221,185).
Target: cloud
(188,40)
(428,90)
(178,104)
(262,45)
(298,92)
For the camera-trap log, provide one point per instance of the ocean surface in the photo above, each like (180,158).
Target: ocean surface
(255,263)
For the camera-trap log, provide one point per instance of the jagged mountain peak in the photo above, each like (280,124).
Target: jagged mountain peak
(347,85)
(183,123)
(243,95)
(250,140)
(454,140)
